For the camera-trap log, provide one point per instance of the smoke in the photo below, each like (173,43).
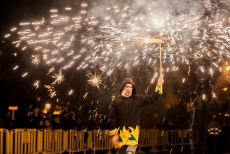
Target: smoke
(149,10)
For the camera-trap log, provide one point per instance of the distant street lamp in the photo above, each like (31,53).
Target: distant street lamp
(13,108)
(228,68)
(48,105)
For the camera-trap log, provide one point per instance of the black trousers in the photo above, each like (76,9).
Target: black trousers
(123,149)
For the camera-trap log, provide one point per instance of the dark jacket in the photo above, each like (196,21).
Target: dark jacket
(57,125)
(125,111)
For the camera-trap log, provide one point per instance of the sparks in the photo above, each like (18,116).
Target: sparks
(59,77)
(94,80)
(35,59)
(121,43)
(36,84)
(50,90)
(85,95)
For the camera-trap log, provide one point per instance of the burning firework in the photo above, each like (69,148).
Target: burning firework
(94,80)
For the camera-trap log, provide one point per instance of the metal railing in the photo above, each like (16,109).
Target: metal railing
(27,141)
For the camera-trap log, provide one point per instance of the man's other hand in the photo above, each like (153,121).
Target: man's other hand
(114,140)
(161,79)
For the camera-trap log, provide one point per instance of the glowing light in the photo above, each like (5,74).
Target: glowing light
(54,15)
(35,59)
(24,74)
(85,95)
(202,69)
(24,23)
(84,4)
(83,12)
(15,67)
(48,105)
(7,35)
(70,92)
(24,48)
(214,95)
(36,84)
(50,90)
(211,71)
(183,80)
(53,10)
(203,96)
(13,29)
(228,68)
(94,80)
(59,77)
(68,8)
(36,23)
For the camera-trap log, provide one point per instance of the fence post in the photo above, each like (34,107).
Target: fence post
(155,136)
(4,141)
(164,140)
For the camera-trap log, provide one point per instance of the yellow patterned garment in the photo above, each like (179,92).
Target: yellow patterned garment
(158,88)
(126,136)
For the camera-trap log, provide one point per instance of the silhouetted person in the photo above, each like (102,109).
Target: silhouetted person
(77,122)
(35,117)
(8,120)
(2,123)
(65,121)
(39,102)
(49,116)
(92,123)
(56,122)
(24,120)
(214,129)
(40,125)
(47,124)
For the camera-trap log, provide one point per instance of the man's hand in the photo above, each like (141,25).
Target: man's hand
(158,88)
(114,140)
(160,80)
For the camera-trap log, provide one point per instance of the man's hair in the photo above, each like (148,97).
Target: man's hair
(56,116)
(36,96)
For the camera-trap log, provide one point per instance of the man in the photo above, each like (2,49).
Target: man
(39,101)
(214,130)
(35,117)
(125,115)
(56,122)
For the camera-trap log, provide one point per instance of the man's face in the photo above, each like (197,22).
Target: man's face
(8,114)
(128,88)
(66,115)
(29,113)
(49,115)
(36,110)
(72,112)
(57,119)
(47,123)
(41,122)
(39,98)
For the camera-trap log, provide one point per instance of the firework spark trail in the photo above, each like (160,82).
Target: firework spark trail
(94,80)
(75,39)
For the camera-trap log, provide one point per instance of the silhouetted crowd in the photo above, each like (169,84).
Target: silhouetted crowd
(35,119)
